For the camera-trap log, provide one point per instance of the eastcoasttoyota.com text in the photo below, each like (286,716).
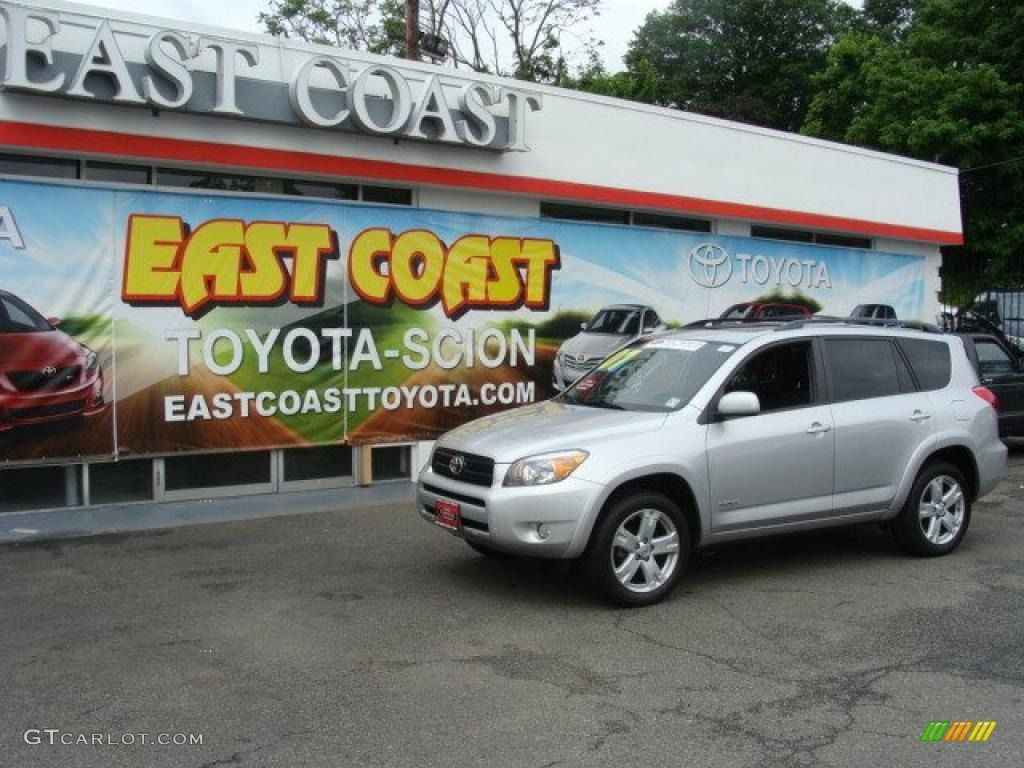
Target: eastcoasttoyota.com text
(224,351)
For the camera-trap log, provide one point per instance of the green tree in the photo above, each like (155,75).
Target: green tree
(746,60)
(946,88)
(637,84)
(526,39)
(363,25)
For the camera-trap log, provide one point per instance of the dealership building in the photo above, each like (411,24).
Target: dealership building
(120,114)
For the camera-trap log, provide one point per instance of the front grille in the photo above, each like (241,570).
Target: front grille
(479,470)
(40,381)
(45,411)
(473,500)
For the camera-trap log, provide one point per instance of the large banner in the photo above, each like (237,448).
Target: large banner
(151,323)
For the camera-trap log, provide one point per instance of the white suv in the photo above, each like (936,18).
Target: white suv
(713,434)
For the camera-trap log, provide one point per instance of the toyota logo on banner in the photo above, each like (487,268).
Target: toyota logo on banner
(710,265)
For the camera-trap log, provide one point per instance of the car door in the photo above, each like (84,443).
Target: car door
(776,466)
(1002,373)
(880,420)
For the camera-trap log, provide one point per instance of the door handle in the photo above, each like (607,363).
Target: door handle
(920,416)
(817,428)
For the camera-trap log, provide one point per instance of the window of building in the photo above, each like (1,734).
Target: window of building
(319,467)
(802,236)
(392,462)
(569,212)
(664,221)
(119,172)
(27,165)
(862,368)
(197,179)
(321,189)
(218,470)
(597,215)
(121,481)
(40,488)
(387,195)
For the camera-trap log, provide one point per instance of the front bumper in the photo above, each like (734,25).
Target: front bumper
(509,519)
(25,408)
(563,374)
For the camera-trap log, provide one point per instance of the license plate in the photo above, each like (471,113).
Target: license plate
(447,514)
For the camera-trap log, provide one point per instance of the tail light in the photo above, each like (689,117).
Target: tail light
(988,396)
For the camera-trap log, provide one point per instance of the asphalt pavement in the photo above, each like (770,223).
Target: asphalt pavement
(366,637)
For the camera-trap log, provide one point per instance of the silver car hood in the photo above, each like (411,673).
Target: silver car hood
(591,345)
(547,426)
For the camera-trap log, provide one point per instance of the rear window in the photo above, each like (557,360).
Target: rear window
(862,368)
(929,360)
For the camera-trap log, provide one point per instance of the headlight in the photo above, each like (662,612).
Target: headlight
(91,361)
(544,469)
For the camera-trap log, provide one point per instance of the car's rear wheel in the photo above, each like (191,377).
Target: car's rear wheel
(639,549)
(935,517)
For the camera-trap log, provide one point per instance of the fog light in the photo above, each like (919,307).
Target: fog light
(543,531)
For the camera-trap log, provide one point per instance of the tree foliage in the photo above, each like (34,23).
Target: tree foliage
(746,60)
(527,39)
(946,86)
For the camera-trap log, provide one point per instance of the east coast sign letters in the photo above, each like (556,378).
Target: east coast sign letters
(207,75)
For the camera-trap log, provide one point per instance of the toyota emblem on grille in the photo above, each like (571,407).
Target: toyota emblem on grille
(49,371)
(457,464)
(580,358)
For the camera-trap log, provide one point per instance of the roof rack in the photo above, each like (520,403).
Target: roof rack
(782,324)
(875,322)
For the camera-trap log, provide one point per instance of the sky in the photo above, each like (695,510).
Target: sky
(614,26)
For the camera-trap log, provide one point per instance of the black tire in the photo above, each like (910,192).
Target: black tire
(930,536)
(486,551)
(604,554)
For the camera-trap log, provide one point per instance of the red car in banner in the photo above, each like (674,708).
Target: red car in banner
(45,375)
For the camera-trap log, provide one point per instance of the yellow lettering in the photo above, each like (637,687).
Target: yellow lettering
(150,255)
(211,263)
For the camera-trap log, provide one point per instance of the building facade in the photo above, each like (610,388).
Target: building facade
(279,266)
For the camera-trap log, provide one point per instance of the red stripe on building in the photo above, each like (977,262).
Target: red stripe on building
(79,140)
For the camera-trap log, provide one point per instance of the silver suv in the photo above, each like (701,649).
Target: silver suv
(714,434)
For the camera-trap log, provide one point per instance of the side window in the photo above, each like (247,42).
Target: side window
(652,320)
(780,376)
(930,361)
(862,368)
(992,359)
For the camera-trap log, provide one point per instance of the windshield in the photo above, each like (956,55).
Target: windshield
(623,322)
(661,375)
(18,317)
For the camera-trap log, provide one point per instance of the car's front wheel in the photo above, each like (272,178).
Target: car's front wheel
(936,515)
(639,549)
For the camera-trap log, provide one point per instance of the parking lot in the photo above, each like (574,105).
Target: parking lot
(367,638)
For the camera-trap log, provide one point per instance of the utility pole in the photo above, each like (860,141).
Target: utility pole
(412,29)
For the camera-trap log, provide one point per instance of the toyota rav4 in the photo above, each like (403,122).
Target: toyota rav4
(713,434)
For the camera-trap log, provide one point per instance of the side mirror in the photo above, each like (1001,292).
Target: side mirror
(735,404)
(583,326)
(54,321)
